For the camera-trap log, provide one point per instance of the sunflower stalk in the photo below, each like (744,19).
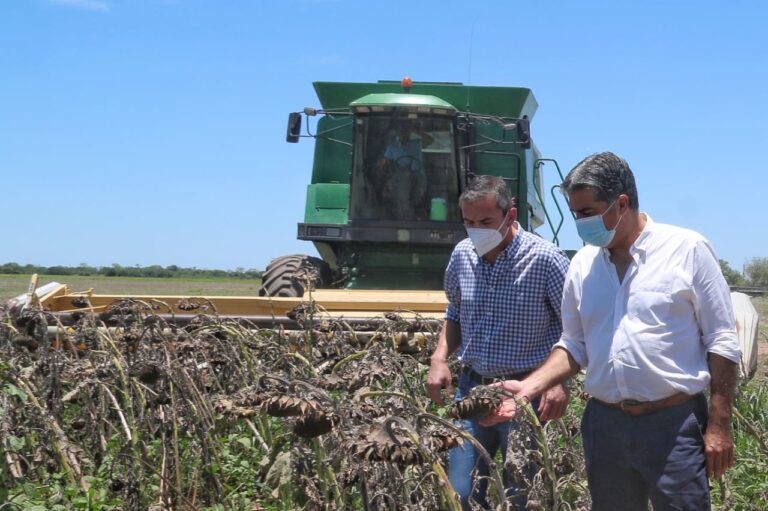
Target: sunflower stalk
(542,445)
(327,476)
(449,496)
(61,444)
(752,429)
(346,360)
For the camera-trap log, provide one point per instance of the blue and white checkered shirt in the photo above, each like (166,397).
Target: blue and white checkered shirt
(508,311)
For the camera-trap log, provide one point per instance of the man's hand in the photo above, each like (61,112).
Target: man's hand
(718,446)
(439,378)
(553,403)
(508,407)
(559,366)
(718,439)
(552,406)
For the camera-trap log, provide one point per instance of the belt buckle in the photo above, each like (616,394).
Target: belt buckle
(628,402)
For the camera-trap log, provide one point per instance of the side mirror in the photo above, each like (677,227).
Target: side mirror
(524,132)
(294,127)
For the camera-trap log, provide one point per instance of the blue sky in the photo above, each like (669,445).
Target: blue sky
(153,131)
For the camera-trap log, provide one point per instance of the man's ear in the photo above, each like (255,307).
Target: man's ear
(626,200)
(512,218)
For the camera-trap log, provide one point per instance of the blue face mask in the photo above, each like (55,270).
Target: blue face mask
(593,231)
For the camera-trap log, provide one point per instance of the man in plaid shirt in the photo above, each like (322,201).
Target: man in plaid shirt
(504,287)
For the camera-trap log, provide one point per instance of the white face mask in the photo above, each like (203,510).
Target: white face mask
(485,239)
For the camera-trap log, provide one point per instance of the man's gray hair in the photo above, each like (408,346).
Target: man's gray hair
(483,186)
(609,175)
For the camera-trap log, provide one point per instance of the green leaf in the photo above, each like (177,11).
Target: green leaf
(80,502)
(13,390)
(16,443)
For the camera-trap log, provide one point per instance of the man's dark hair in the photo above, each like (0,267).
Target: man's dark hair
(484,185)
(609,175)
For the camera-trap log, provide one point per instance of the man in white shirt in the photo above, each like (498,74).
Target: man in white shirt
(647,312)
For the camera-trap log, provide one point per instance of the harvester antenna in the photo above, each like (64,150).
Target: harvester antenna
(469,65)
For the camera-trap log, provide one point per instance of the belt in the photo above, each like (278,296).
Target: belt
(633,407)
(487,380)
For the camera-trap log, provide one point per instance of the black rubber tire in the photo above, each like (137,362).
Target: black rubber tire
(280,278)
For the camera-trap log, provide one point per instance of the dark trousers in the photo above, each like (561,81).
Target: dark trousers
(658,456)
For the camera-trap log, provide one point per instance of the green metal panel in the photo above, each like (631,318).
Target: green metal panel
(327,203)
(333,160)
(393,266)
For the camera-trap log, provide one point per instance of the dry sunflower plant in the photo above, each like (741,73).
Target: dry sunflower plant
(124,409)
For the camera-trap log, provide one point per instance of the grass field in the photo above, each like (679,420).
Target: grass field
(13,285)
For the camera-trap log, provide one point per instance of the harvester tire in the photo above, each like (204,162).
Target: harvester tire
(287,275)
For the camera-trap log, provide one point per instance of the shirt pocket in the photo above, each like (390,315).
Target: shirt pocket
(650,307)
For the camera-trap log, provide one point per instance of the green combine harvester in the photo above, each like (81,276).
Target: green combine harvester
(391,159)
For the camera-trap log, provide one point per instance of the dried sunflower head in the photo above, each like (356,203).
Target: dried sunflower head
(284,405)
(315,424)
(480,402)
(363,411)
(147,372)
(439,440)
(375,442)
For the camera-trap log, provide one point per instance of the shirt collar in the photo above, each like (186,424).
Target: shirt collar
(643,239)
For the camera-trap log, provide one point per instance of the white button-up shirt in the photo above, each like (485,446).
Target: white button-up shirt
(647,337)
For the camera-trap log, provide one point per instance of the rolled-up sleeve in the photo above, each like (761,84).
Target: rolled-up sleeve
(572,339)
(713,305)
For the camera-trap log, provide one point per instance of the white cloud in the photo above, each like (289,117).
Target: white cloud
(91,5)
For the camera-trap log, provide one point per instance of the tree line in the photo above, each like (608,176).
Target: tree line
(755,273)
(116,270)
